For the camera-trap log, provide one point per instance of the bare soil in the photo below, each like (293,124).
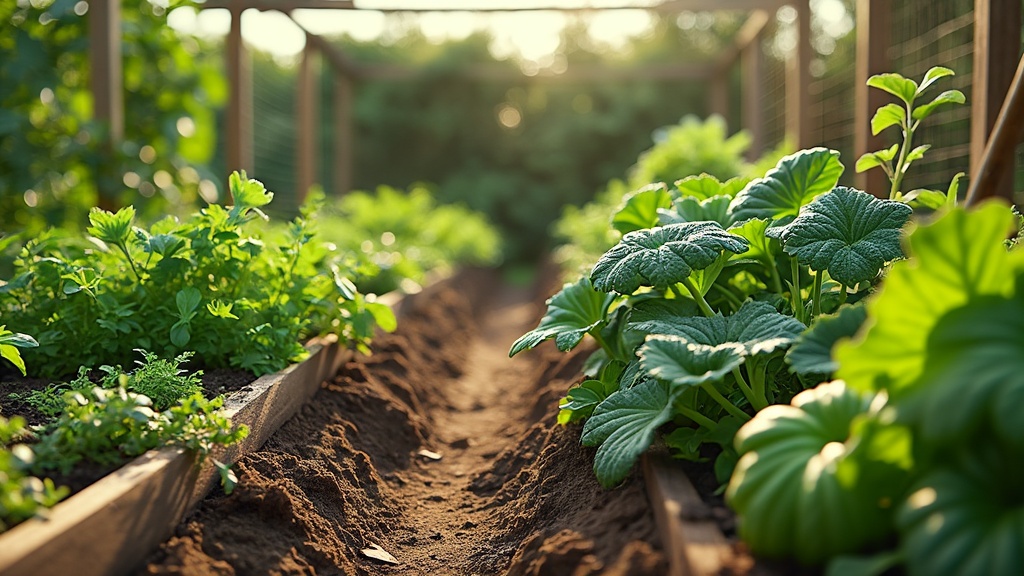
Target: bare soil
(501,488)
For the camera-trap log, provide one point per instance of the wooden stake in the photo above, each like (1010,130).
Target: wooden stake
(874,23)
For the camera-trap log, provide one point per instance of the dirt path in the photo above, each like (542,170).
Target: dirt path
(512,493)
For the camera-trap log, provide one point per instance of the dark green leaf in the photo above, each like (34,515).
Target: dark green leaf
(662,256)
(682,363)
(812,351)
(573,312)
(188,300)
(623,427)
(849,233)
(795,181)
(756,327)
(714,209)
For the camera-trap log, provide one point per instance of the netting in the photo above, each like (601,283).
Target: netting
(274,129)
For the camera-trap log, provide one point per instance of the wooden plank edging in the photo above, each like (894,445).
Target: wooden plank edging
(112,525)
(692,541)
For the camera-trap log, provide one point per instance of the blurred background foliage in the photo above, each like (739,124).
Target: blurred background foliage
(54,163)
(517,150)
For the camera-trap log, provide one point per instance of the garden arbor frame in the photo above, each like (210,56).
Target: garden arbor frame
(997,100)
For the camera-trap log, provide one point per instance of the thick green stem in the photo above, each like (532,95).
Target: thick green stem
(816,306)
(596,334)
(724,402)
(842,295)
(751,394)
(758,380)
(798,300)
(697,297)
(697,417)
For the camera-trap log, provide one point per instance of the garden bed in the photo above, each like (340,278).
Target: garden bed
(116,520)
(440,451)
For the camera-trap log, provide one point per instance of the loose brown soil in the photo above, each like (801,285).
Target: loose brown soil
(512,492)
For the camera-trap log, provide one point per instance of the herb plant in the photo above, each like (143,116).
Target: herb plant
(22,496)
(214,284)
(10,342)
(107,426)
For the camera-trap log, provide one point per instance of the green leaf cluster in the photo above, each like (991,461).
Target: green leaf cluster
(716,282)
(907,115)
(10,342)
(109,426)
(215,283)
(935,362)
(393,238)
(22,495)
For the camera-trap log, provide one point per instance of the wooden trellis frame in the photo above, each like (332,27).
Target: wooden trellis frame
(996,52)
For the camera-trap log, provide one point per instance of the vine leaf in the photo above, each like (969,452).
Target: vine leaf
(757,328)
(850,233)
(812,351)
(795,181)
(573,312)
(690,209)
(682,363)
(639,209)
(662,256)
(624,426)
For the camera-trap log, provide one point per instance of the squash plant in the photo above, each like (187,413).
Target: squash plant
(713,282)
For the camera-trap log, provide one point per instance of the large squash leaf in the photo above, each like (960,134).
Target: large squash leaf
(662,256)
(624,426)
(795,181)
(573,312)
(850,233)
(706,186)
(756,327)
(682,363)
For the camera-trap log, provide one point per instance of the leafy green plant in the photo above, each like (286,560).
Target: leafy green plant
(699,332)
(395,237)
(108,426)
(907,115)
(214,284)
(22,496)
(936,363)
(9,344)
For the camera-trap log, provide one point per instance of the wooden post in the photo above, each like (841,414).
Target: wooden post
(996,49)
(343,134)
(107,86)
(996,165)
(718,93)
(239,112)
(752,93)
(874,32)
(307,122)
(798,125)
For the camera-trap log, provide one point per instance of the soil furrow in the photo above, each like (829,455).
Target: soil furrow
(511,491)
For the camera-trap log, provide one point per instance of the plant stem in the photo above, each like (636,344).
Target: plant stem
(798,300)
(596,334)
(124,250)
(757,379)
(724,402)
(908,137)
(816,306)
(842,295)
(697,297)
(776,281)
(697,417)
(728,296)
(749,392)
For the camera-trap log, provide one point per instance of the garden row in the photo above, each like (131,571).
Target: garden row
(222,290)
(849,363)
